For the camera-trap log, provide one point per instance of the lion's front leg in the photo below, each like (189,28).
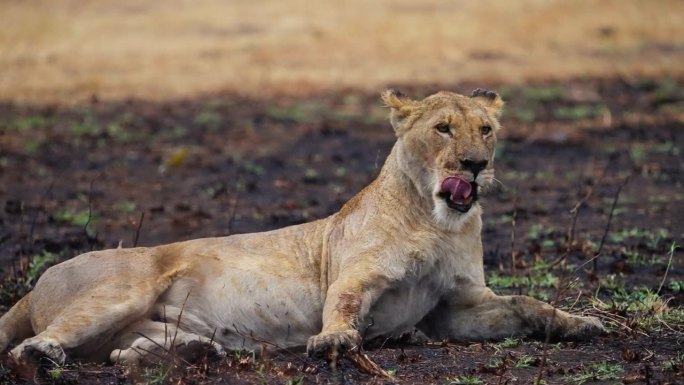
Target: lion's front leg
(347,301)
(497,317)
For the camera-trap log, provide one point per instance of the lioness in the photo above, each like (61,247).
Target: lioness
(405,252)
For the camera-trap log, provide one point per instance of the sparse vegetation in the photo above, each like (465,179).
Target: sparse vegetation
(55,374)
(600,371)
(74,217)
(676,286)
(579,112)
(524,361)
(125,206)
(466,380)
(155,374)
(535,284)
(674,363)
(38,264)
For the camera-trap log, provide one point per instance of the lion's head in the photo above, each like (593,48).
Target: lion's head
(446,145)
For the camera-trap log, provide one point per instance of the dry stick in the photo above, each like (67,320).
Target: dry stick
(667,269)
(23,263)
(273,344)
(137,231)
(514,261)
(570,236)
(501,378)
(610,218)
(90,213)
(364,364)
(547,340)
(562,282)
(169,351)
(561,288)
(180,314)
(233,208)
(166,328)
(360,360)
(213,335)
(40,208)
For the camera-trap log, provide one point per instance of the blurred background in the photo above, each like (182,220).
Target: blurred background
(67,51)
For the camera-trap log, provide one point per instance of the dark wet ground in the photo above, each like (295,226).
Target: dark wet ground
(74,179)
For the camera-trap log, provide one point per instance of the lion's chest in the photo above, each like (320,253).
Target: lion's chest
(412,297)
(400,308)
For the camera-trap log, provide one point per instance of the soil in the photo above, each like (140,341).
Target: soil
(100,175)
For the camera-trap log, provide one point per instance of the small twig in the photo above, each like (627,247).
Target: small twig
(41,204)
(615,319)
(213,335)
(180,314)
(575,210)
(514,216)
(90,207)
(276,346)
(137,231)
(547,340)
(168,351)
(364,364)
(167,357)
(563,280)
(234,206)
(90,213)
(574,214)
(667,269)
(579,295)
(549,325)
(166,327)
(23,258)
(610,218)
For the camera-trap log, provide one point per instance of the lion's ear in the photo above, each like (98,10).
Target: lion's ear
(401,108)
(490,100)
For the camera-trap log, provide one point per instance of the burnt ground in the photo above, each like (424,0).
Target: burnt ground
(94,176)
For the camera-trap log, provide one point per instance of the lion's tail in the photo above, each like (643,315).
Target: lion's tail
(16,323)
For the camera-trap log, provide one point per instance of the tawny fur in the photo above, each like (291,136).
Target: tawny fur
(393,258)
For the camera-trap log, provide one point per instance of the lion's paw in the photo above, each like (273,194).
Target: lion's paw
(333,341)
(585,328)
(36,350)
(194,349)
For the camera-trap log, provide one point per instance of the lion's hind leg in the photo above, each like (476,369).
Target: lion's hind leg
(16,323)
(86,324)
(154,341)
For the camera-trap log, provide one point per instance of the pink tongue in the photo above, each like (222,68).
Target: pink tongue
(459,189)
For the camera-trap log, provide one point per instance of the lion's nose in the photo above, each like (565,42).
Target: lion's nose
(474,166)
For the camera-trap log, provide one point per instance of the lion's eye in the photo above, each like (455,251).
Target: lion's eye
(443,128)
(485,130)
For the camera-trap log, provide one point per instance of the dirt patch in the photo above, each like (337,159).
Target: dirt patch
(78,178)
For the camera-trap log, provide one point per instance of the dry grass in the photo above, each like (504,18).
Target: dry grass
(68,50)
